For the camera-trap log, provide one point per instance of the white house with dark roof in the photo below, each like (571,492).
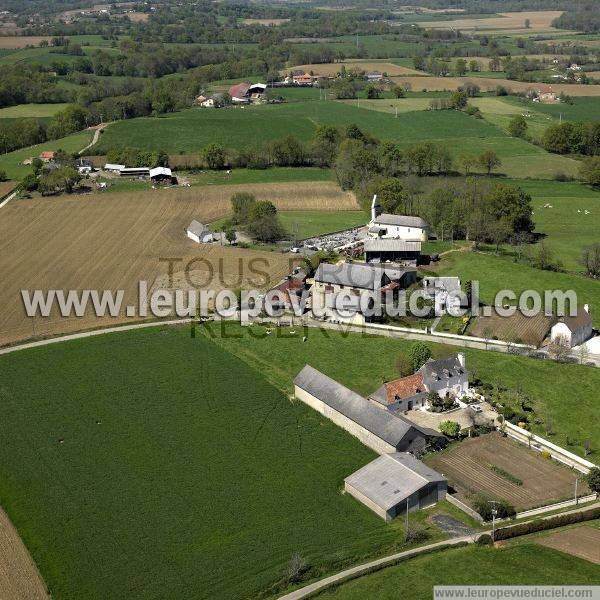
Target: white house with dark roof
(401,227)
(382,431)
(574,329)
(394,483)
(446,377)
(444,293)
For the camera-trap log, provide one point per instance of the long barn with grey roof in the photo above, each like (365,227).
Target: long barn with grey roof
(378,429)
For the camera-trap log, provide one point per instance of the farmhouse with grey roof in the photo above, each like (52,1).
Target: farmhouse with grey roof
(342,291)
(403,227)
(447,376)
(380,430)
(395,482)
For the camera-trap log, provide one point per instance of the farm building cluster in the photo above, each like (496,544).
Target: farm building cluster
(396,481)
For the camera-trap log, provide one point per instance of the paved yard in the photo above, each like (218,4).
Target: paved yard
(464,416)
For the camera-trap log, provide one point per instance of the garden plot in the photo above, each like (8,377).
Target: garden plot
(502,469)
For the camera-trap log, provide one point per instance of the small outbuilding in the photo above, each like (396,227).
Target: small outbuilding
(162,175)
(113,168)
(395,483)
(394,250)
(199,233)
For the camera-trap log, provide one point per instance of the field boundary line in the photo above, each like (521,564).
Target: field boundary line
(92,333)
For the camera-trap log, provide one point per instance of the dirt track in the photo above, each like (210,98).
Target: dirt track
(19,577)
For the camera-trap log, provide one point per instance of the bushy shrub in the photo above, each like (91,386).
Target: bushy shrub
(482,505)
(485,540)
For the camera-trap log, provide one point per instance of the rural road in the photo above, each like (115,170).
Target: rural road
(374,564)
(366,568)
(96,136)
(9,198)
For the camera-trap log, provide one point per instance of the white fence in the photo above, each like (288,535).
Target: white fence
(540,444)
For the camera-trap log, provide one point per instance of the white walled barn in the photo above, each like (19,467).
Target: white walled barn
(576,330)
(380,430)
(402,227)
(199,233)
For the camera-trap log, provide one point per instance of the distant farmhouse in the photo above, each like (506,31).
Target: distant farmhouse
(380,430)
(395,482)
(575,330)
(356,280)
(303,79)
(447,377)
(244,93)
(401,227)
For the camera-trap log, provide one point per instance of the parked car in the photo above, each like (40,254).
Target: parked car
(476,408)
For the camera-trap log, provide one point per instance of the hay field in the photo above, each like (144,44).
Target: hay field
(540,20)
(19,576)
(20,41)
(265,22)
(487,84)
(333,68)
(583,542)
(112,241)
(138,17)
(22,111)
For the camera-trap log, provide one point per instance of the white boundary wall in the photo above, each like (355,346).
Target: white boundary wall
(540,444)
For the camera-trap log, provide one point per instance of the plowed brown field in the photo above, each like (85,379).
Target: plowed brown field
(112,241)
(19,577)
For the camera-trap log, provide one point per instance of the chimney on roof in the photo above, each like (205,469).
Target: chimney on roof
(586,307)
(375,208)
(461,359)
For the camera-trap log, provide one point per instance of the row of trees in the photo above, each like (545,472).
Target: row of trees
(567,137)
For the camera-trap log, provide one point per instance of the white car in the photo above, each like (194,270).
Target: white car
(476,408)
(295,250)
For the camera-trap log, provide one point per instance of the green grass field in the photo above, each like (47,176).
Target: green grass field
(30,110)
(12,162)
(497,272)
(568,231)
(192,129)
(342,356)
(516,565)
(304,224)
(172,479)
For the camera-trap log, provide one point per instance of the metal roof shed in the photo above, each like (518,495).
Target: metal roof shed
(393,482)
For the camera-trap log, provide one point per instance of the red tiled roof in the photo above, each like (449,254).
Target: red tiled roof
(47,154)
(239,90)
(405,387)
